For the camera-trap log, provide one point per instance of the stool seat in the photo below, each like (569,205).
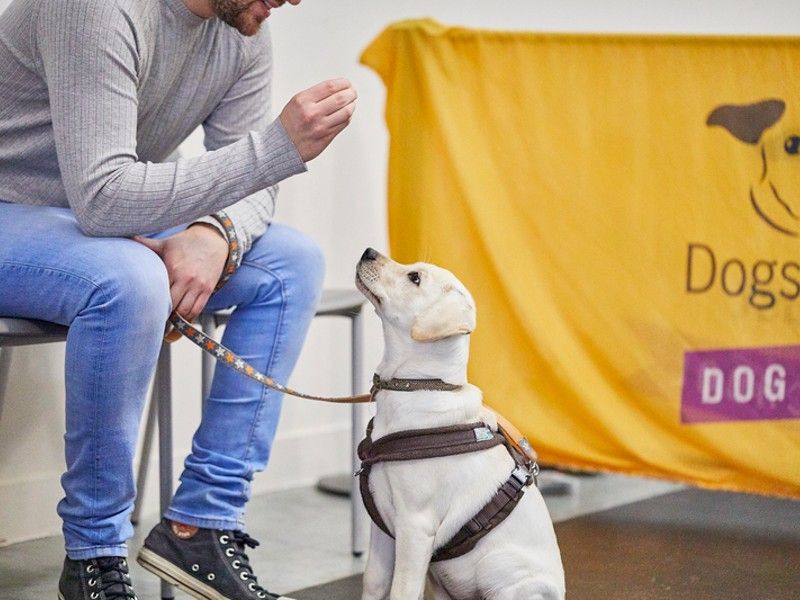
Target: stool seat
(333,303)
(343,303)
(24,332)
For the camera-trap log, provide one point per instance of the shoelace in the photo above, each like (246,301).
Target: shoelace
(113,578)
(243,540)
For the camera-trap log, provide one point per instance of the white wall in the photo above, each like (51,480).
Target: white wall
(341,202)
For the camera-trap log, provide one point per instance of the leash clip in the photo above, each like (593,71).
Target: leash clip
(535,473)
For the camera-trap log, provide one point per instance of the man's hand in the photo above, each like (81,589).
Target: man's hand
(194,259)
(314,117)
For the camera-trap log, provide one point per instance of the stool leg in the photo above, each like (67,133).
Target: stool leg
(359,518)
(163,386)
(144,460)
(5,365)
(209,325)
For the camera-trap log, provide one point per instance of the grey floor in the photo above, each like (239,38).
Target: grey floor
(304,534)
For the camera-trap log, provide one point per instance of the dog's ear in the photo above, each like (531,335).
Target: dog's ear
(452,315)
(746,122)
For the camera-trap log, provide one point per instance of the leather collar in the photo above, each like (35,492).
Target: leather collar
(412,385)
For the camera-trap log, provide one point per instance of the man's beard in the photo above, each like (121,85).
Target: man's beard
(234,13)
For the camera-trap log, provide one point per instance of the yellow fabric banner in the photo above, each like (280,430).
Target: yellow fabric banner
(625,210)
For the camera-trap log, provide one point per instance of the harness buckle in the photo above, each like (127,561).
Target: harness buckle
(483,434)
(522,475)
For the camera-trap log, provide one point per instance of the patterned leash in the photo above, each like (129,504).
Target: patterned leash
(518,441)
(222,354)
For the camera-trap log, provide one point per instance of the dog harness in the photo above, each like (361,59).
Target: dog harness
(447,441)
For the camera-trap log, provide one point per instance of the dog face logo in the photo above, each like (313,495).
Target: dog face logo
(775,191)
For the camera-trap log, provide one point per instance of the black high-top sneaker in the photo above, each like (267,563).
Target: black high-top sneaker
(104,578)
(210,564)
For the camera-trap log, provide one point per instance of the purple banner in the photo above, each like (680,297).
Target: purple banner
(741,384)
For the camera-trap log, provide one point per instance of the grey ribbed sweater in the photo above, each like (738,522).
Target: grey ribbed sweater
(96,94)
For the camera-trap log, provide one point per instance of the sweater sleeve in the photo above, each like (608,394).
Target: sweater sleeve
(90,59)
(244,108)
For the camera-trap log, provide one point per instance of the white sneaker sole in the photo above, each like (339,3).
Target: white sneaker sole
(160,567)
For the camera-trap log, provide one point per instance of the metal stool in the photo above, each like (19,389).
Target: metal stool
(341,303)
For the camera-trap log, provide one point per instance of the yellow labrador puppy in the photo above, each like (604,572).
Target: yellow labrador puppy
(426,314)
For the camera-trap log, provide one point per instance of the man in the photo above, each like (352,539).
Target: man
(94,96)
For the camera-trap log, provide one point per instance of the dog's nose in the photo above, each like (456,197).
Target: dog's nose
(369,254)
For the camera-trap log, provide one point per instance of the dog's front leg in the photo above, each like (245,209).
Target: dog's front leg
(378,574)
(413,549)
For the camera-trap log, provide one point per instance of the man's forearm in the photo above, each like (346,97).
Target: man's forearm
(153,197)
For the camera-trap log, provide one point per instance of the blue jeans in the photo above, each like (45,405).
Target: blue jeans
(113,293)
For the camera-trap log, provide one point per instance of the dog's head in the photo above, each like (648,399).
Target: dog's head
(422,302)
(775,194)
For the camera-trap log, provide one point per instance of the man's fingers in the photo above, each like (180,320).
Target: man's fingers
(177,290)
(326,88)
(341,117)
(199,305)
(337,101)
(317,113)
(184,307)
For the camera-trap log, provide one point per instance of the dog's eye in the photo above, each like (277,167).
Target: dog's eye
(792,144)
(413,277)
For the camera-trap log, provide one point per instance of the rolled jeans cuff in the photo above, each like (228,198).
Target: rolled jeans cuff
(97,551)
(203,522)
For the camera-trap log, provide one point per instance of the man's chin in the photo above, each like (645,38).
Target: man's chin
(248,25)
(250,29)
(248,21)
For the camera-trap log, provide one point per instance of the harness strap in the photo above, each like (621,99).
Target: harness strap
(417,444)
(427,443)
(447,441)
(490,516)
(369,501)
